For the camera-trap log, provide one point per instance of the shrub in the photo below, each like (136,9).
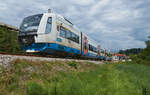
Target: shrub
(73,64)
(8,41)
(143,57)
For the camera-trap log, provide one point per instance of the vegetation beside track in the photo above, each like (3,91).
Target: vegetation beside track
(144,56)
(71,78)
(8,41)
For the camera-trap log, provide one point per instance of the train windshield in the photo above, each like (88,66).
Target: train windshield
(31,23)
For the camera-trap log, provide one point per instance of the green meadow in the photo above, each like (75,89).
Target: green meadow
(24,77)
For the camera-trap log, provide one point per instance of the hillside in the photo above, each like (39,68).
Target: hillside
(8,40)
(72,78)
(131,51)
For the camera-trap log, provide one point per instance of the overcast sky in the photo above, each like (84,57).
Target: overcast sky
(115,24)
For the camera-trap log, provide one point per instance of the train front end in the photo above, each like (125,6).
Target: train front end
(29,32)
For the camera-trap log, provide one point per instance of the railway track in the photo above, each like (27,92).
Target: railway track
(6,58)
(45,56)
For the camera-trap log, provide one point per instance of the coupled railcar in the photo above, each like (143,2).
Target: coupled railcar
(51,33)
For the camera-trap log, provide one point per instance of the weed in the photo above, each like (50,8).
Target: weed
(73,64)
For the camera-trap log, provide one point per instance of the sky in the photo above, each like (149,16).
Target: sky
(115,24)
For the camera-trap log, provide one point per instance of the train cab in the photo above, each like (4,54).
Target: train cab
(49,33)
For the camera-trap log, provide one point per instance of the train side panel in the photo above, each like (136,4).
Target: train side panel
(67,44)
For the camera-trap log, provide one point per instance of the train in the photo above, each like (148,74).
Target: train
(51,33)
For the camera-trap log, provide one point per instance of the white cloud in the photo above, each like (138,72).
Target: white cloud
(83,2)
(3,6)
(98,6)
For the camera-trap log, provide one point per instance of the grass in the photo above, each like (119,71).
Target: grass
(72,78)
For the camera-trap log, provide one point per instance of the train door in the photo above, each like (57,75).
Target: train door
(85,45)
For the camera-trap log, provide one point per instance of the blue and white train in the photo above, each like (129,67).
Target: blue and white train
(50,33)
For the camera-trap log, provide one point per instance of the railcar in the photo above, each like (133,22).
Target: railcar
(51,33)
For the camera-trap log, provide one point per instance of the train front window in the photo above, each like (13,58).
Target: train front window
(31,23)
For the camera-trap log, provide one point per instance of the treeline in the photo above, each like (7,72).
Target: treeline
(131,51)
(144,56)
(8,41)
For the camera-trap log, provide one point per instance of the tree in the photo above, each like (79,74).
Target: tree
(144,57)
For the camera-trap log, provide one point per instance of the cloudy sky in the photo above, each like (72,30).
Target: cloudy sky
(115,24)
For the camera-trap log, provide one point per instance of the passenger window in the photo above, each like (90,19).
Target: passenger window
(68,34)
(74,37)
(62,32)
(77,39)
(92,48)
(48,25)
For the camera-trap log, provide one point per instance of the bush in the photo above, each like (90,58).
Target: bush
(73,64)
(9,41)
(143,57)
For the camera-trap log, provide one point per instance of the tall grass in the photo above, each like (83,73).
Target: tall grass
(43,78)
